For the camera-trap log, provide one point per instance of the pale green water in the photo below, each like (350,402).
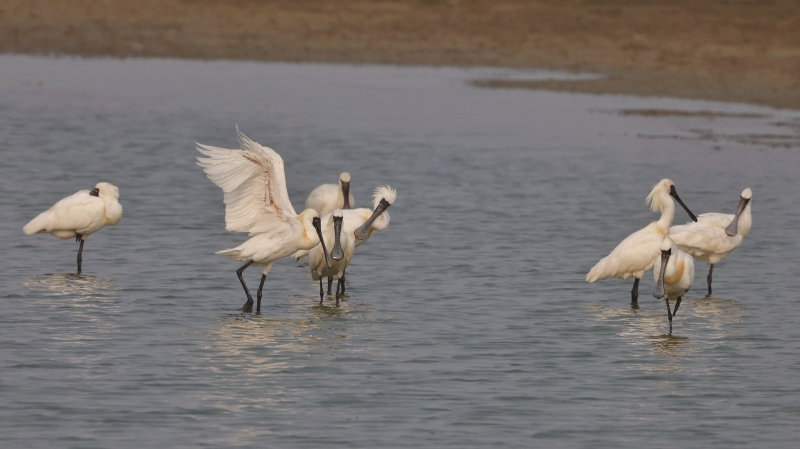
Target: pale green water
(468,323)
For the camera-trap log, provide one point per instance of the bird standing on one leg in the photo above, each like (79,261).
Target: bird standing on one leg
(715,235)
(674,276)
(80,215)
(257,202)
(637,253)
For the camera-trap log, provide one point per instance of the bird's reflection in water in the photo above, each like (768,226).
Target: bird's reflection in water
(699,319)
(72,285)
(670,345)
(262,343)
(644,326)
(718,313)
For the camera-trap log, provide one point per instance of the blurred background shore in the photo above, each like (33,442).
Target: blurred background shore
(742,51)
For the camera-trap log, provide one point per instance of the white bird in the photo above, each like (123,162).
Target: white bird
(368,221)
(673,276)
(637,253)
(343,246)
(715,235)
(80,215)
(257,202)
(328,197)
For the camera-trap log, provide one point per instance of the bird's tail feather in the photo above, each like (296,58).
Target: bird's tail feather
(233,253)
(597,271)
(38,224)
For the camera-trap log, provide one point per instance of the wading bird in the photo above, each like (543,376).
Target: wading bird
(637,253)
(673,275)
(80,215)
(342,248)
(360,223)
(328,197)
(715,235)
(257,202)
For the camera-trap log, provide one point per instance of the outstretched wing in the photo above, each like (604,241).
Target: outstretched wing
(256,199)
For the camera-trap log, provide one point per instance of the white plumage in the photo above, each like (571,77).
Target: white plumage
(637,253)
(342,247)
(715,235)
(79,215)
(257,202)
(328,197)
(356,218)
(674,275)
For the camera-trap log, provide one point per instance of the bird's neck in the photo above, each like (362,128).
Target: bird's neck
(745,222)
(667,214)
(674,269)
(113,212)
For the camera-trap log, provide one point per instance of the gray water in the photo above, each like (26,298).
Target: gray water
(467,323)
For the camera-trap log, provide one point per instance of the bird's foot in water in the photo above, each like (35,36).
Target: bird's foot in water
(248,306)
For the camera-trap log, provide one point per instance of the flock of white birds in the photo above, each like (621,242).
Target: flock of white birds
(672,249)
(257,202)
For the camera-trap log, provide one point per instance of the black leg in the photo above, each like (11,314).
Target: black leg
(669,315)
(343,274)
(708,278)
(338,284)
(330,282)
(248,306)
(80,255)
(635,292)
(258,293)
(677,304)
(321,291)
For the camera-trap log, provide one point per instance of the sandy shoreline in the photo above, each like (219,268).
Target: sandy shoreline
(718,50)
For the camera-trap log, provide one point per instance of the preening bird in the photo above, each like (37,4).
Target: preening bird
(715,235)
(360,223)
(257,202)
(328,197)
(674,275)
(637,253)
(80,215)
(342,248)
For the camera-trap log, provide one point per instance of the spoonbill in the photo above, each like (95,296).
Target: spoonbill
(341,254)
(715,235)
(257,202)
(674,276)
(637,253)
(327,197)
(80,215)
(359,224)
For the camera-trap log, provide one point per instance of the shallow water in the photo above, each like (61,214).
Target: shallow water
(467,323)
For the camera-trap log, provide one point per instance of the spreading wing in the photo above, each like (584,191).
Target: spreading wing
(254,185)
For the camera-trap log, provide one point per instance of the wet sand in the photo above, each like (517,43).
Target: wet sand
(742,51)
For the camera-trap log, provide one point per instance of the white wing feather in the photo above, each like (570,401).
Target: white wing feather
(634,255)
(700,240)
(710,219)
(71,214)
(254,185)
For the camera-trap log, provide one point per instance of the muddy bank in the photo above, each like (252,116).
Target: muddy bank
(720,50)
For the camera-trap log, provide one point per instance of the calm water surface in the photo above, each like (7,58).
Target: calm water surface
(467,323)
